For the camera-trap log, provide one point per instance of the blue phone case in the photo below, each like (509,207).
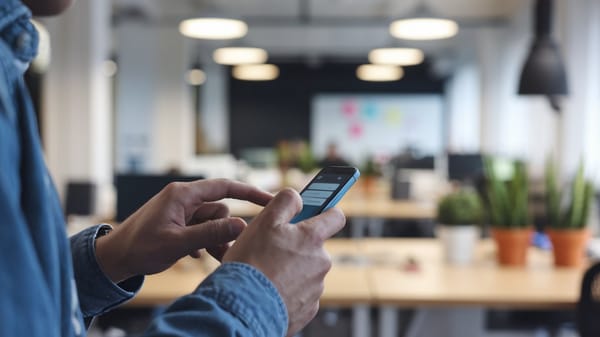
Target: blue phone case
(338,196)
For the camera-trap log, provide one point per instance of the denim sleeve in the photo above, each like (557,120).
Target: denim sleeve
(235,300)
(97,293)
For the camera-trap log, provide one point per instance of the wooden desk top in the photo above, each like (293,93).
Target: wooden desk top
(345,285)
(537,286)
(374,271)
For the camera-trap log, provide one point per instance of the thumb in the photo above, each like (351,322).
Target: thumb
(212,233)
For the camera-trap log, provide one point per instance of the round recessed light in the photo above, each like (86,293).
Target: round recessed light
(423,29)
(240,55)
(213,28)
(379,72)
(255,72)
(396,56)
(195,77)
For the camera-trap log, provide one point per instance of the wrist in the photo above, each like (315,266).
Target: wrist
(107,256)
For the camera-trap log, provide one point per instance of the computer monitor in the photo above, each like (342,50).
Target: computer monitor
(465,167)
(421,163)
(80,198)
(133,190)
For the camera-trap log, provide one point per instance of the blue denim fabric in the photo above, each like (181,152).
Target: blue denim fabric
(97,292)
(42,276)
(236,300)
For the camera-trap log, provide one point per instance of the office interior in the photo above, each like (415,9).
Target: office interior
(128,103)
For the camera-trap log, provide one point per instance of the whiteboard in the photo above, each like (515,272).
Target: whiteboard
(376,124)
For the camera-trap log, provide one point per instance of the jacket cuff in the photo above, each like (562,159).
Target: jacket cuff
(97,293)
(249,295)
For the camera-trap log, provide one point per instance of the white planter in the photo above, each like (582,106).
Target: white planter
(459,242)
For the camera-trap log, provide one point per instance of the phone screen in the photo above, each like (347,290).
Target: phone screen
(325,190)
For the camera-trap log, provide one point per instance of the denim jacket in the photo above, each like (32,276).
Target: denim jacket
(49,284)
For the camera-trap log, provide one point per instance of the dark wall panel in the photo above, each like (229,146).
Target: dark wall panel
(262,113)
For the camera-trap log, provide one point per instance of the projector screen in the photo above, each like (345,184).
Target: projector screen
(376,124)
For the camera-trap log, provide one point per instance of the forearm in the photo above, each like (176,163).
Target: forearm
(236,300)
(97,293)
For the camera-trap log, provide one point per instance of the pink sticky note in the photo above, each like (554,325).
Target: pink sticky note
(349,108)
(355,130)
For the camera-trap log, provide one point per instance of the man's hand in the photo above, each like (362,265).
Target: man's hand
(291,256)
(180,220)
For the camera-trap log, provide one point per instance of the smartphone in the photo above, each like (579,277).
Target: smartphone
(325,190)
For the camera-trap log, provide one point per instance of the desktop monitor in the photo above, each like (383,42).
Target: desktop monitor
(465,167)
(80,198)
(421,163)
(133,190)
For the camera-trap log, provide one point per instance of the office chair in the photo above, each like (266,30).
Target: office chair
(588,308)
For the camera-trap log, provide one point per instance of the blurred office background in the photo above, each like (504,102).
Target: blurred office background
(122,93)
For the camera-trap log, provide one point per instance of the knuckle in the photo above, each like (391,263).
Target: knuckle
(325,264)
(173,188)
(311,235)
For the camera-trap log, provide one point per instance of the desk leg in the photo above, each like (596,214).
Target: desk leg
(376,227)
(388,321)
(358,227)
(361,321)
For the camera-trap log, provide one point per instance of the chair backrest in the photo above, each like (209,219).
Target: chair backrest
(588,308)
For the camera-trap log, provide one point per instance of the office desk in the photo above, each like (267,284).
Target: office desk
(357,207)
(434,283)
(375,272)
(346,284)
(366,212)
(483,284)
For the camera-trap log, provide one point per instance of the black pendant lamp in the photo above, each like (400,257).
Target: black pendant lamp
(544,71)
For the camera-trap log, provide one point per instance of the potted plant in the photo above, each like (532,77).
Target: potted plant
(508,214)
(567,216)
(369,174)
(459,215)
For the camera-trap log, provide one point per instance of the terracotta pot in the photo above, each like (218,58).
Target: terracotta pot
(568,246)
(512,245)
(369,185)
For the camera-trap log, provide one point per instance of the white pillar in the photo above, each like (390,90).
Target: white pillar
(214,107)
(77,114)
(155,121)
(579,33)
(463,94)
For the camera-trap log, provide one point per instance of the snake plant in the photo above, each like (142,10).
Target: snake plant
(507,200)
(567,211)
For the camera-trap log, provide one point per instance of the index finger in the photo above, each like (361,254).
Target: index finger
(200,191)
(326,224)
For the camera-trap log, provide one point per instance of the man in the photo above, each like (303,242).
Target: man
(268,284)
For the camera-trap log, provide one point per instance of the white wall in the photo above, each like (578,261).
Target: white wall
(77,99)
(579,32)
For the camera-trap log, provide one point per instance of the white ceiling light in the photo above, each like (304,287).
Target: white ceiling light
(256,72)
(240,55)
(213,28)
(195,77)
(423,28)
(396,56)
(379,73)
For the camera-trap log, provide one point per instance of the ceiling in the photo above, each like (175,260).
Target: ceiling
(337,28)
